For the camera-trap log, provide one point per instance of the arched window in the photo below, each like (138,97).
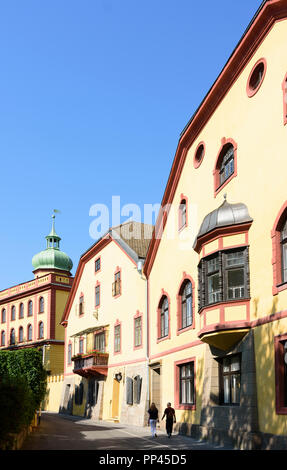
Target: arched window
(13,313)
(226,164)
(21,311)
(3,315)
(279,250)
(283,245)
(182,215)
(21,334)
(284,89)
(12,336)
(163,317)
(3,338)
(41,330)
(186,301)
(41,305)
(29,332)
(30,308)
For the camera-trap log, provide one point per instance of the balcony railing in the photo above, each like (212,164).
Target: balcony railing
(85,364)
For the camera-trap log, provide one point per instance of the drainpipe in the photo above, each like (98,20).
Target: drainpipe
(140,270)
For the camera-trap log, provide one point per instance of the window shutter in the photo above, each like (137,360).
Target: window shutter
(138,381)
(129,390)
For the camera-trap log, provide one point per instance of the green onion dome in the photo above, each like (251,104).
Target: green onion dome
(52,257)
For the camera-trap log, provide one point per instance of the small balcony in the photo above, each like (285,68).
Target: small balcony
(90,364)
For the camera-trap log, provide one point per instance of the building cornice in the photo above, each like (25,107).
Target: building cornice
(268,14)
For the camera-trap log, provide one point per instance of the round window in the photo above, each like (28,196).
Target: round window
(256,77)
(199,154)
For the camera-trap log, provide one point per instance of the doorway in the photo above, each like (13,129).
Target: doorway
(155,372)
(115,399)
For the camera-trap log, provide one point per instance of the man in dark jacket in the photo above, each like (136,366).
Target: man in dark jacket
(169,412)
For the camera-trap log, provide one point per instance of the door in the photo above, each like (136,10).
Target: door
(155,387)
(67,404)
(115,400)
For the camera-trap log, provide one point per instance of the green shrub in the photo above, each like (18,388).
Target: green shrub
(23,382)
(25,363)
(17,405)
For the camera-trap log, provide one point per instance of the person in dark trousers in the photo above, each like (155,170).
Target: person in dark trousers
(169,412)
(153,418)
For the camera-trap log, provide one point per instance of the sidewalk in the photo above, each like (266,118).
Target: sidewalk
(63,432)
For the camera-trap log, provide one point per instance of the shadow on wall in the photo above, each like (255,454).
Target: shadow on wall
(253,424)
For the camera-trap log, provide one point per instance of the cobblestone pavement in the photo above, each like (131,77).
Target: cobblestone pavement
(61,432)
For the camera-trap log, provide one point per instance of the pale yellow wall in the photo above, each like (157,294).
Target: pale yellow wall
(122,308)
(61,299)
(256,125)
(54,391)
(269,421)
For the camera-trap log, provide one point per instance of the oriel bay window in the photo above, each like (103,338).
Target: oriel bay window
(224,277)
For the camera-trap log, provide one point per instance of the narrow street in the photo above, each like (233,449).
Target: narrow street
(61,432)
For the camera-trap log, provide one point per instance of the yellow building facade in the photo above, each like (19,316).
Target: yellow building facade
(105,320)
(217,272)
(31,313)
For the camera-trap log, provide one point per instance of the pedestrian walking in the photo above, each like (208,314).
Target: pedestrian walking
(153,419)
(169,412)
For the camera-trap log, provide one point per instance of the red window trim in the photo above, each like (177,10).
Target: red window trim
(118,323)
(98,284)
(164,338)
(39,330)
(99,270)
(216,180)
(81,295)
(118,270)
(177,365)
(180,226)
(180,330)
(250,91)
(284,92)
(3,331)
(28,332)
(278,285)
(196,162)
(279,372)
(69,344)
(138,315)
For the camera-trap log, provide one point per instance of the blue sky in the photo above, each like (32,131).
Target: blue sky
(94,95)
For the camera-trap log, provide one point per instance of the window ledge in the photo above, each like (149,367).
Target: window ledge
(186,328)
(163,338)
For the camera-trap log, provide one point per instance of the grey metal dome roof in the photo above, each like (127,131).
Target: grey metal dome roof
(224,216)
